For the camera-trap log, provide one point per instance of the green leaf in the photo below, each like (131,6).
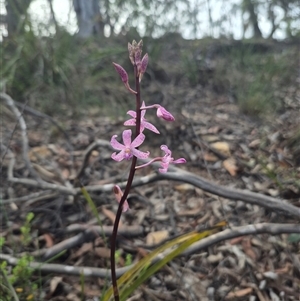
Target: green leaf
(145,268)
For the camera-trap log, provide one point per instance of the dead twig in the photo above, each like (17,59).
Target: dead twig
(33,197)
(263,228)
(268,228)
(87,154)
(232,193)
(89,233)
(10,103)
(66,269)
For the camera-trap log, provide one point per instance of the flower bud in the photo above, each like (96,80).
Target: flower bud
(164,114)
(118,194)
(144,63)
(122,73)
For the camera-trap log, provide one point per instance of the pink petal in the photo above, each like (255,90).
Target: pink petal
(118,157)
(139,154)
(166,150)
(143,104)
(164,168)
(115,144)
(127,137)
(130,122)
(179,161)
(150,127)
(132,113)
(138,140)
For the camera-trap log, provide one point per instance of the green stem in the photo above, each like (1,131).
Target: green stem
(126,192)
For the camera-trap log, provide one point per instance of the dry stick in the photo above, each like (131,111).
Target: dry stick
(234,194)
(262,228)
(88,234)
(33,197)
(87,154)
(268,228)
(175,174)
(66,269)
(39,114)
(39,184)
(21,121)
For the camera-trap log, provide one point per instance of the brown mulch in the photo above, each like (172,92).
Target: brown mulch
(219,142)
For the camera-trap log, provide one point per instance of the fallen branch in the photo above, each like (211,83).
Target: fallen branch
(23,127)
(268,228)
(66,269)
(182,176)
(232,193)
(89,233)
(263,228)
(87,154)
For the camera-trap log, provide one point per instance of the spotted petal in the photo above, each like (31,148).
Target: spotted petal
(127,137)
(116,144)
(138,140)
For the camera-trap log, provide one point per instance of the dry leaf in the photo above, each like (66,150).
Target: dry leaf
(230,165)
(111,216)
(39,152)
(47,175)
(72,297)
(247,247)
(211,138)
(156,237)
(214,130)
(49,240)
(82,250)
(236,240)
(222,147)
(65,173)
(210,157)
(184,187)
(254,143)
(102,252)
(239,294)
(190,213)
(55,281)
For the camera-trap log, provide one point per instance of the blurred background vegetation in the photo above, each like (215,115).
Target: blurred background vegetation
(248,48)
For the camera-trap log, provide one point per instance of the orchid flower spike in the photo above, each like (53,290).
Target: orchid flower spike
(119,194)
(128,149)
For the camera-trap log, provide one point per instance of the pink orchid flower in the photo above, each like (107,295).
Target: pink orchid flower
(167,159)
(144,123)
(119,194)
(164,161)
(128,150)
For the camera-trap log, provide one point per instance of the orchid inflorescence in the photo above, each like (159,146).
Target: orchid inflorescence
(129,149)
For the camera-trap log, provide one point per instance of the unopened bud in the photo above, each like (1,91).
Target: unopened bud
(122,72)
(164,114)
(119,194)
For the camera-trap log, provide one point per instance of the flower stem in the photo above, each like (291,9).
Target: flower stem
(126,191)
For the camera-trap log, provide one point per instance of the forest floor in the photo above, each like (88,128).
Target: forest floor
(221,143)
